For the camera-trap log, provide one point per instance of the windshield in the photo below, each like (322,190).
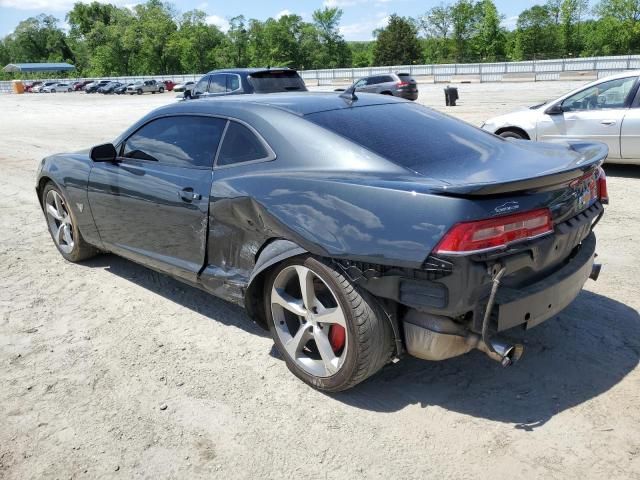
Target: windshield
(277,81)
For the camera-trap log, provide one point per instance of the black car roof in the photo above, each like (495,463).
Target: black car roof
(249,71)
(300,103)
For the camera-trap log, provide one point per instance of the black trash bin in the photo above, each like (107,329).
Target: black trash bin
(450,96)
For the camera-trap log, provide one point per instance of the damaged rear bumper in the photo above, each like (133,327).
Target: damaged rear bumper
(435,337)
(536,303)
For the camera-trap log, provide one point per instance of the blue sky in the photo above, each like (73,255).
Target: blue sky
(360,18)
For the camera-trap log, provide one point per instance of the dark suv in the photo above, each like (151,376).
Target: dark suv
(396,84)
(247,80)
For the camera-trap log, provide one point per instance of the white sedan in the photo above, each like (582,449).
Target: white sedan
(607,110)
(57,87)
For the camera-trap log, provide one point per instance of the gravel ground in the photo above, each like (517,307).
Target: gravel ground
(110,370)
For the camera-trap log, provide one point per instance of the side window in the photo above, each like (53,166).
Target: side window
(202,84)
(233,83)
(240,145)
(611,94)
(218,84)
(387,79)
(361,83)
(180,141)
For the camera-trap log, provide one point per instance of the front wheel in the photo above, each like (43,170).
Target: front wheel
(161,90)
(512,134)
(63,226)
(331,335)
(139,92)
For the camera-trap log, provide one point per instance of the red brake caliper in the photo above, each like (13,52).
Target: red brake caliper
(337,336)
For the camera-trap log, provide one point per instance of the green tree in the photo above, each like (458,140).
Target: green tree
(490,41)
(465,17)
(397,43)
(195,43)
(238,40)
(436,24)
(571,13)
(361,54)
(39,39)
(155,27)
(618,29)
(334,51)
(535,33)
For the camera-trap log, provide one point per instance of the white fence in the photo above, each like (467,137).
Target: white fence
(536,70)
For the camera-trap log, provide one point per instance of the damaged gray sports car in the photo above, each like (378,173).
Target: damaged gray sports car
(357,229)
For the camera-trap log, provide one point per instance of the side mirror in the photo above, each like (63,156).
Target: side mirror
(556,109)
(104,153)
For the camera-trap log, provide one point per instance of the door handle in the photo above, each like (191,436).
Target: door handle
(188,195)
(608,122)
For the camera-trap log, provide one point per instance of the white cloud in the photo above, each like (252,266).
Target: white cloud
(218,21)
(350,3)
(364,30)
(510,22)
(282,13)
(48,5)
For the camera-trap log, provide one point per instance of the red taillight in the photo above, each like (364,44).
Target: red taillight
(483,235)
(402,84)
(603,194)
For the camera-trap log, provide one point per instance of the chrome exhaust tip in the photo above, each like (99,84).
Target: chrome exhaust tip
(595,271)
(509,354)
(506,354)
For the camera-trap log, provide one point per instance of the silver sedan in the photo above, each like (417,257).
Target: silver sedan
(607,110)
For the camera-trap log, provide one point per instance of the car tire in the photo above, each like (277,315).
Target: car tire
(357,341)
(161,90)
(63,226)
(187,94)
(512,134)
(139,92)
(53,90)
(68,90)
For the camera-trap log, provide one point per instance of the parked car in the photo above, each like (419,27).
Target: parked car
(607,110)
(169,85)
(247,80)
(122,88)
(28,86)
(94,86)
(57,87)
(328,222)
(397,84)
(109,87)
(77,86)
(146,86)
(38,88)
(184,88)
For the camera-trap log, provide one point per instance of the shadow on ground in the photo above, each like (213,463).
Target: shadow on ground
(568,360)
(189,297)
(620,170)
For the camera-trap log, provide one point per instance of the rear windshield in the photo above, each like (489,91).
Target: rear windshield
(277,81)
(405,77)
(411,135)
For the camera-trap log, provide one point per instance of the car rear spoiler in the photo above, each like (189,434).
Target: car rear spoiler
(593,154)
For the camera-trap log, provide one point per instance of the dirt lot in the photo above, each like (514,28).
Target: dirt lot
(110,370)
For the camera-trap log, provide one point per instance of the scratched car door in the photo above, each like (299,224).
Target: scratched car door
(152,204)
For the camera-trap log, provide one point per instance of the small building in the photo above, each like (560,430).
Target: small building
(38,67)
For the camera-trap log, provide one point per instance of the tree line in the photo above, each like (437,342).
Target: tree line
(155,38)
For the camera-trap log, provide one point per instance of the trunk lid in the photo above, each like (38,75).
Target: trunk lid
(521,165)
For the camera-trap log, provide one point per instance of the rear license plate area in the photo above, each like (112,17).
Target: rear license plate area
(586,189)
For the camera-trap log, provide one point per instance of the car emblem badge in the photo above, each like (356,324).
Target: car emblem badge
(80,206)
(507,207)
